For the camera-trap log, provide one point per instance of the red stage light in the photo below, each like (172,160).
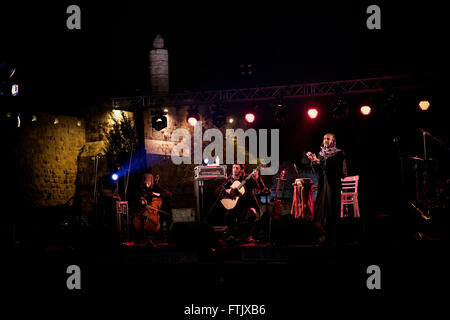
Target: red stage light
(424,105)
(250,117)
(313,113)
(365,110)
(192,117)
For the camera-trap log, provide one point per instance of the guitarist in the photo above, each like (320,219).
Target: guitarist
(241,218)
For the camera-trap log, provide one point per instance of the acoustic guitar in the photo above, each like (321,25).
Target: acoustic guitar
(230,202)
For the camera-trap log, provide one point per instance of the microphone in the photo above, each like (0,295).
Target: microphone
(424,132)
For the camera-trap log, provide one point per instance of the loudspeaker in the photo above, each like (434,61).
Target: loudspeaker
(206,195)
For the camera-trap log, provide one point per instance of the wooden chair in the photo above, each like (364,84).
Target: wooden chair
(349,194)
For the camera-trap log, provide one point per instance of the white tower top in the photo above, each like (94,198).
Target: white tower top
(158,43)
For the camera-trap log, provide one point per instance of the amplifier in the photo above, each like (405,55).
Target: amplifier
(212,172)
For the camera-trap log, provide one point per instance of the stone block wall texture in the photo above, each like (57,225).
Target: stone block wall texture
(55,158)
(47,150)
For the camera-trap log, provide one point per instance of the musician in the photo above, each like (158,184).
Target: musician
(149,190)
(331,167)
(241,218)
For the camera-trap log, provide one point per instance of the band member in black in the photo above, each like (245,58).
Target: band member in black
(154,216)
(241,218)
(331,167)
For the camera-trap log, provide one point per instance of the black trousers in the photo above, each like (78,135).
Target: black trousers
(241,221)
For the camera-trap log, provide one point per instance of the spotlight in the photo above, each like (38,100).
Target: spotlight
(117,114)
(313,113)
(219,118)
(250,117)
(159,120)
(114,177)
(279,112)
(166,110)
(192,117)
(424,105)
(340,109)
(365,110)
(15,90)
(231,120)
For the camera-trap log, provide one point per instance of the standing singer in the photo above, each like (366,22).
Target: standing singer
(331,167)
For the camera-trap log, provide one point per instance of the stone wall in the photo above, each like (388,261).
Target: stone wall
(46,151)
(178,179)
(55,158)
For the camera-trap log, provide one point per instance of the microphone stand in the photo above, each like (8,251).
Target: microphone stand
(95,187)
(425,173)
(215,202)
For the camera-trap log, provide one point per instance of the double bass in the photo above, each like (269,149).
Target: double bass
(148,216)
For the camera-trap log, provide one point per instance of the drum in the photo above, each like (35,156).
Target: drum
(303,200)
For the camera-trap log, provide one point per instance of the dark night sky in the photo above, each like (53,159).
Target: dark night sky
(285,42)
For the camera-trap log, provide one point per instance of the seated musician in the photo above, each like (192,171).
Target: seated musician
(241,218)
(154,208)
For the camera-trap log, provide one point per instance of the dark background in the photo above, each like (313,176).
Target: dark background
(286,43)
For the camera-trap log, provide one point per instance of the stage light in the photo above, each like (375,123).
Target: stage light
(313,113)
(15,90)
(340,108)
(219,118)
(33,118)
(56,121)
(117,114)
(192,117)
(114,177)
(159,120)
(231,120)
(279,112)
(250,117)
(424,105)
(365,110)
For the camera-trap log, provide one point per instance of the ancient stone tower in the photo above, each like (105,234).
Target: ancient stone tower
(159,67)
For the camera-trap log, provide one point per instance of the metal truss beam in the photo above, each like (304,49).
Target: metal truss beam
(297,91)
